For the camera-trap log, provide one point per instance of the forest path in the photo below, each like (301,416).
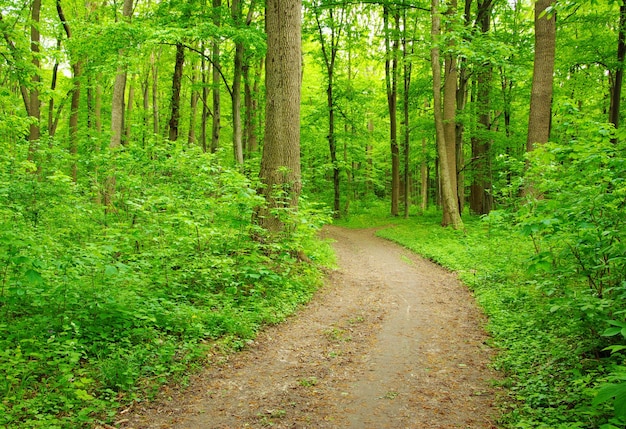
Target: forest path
(392,341)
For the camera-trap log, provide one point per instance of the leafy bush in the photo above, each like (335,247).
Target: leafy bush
(98,306)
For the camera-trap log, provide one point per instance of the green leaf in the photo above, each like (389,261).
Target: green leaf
(110,270)
(33,277)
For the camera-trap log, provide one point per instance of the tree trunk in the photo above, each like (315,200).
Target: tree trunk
(117,113)
(329,53)
(481,199)
(616,90)
(406,108)
(97,110)
(204,117)
(215,59)
(34,103)
(176,85)
(280,163)
(539,120)
(119,88)
(53,87)
(449,122)
(448,192)
(155,94)
(193,108)
(424,177)
(75,104)
(236,104)
(391,81)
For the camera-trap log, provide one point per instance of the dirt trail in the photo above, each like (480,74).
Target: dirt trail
(392,341)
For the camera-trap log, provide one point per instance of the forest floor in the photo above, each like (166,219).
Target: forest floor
(392,341)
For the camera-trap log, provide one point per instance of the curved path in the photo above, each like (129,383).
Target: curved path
(392,341)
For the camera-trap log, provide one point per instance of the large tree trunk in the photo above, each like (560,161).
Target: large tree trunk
(449,123)
(539,120)
(280,163)
(448,192)
(176,85)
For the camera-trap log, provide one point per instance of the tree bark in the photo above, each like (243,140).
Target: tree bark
(34,104)
(176,85)
(448,192)
(215,57)
(449,120)
(193,107)
(119,88)
(405,107)
(391,81)
(481,199)
(280,163)
(155,94)
(539,120)
(616,90)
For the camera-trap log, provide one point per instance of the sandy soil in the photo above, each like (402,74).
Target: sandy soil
(392,341)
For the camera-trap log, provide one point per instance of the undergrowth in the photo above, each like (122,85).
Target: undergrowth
(546,327)
(100,306)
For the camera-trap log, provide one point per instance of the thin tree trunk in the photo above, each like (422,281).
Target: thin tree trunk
(75,103)
(256,117)
(193,108)
(391,81)
(329,53)
(616,90)
(176,85)
(97,112)
(53,87)
(34,103)
(117,113)
(236,104)
(424,176)
(128,113)
(215,56)
(204,117)
(481,199)
(406,108)
(155,94)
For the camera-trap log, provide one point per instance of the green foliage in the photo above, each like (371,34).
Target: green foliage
(98,307)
